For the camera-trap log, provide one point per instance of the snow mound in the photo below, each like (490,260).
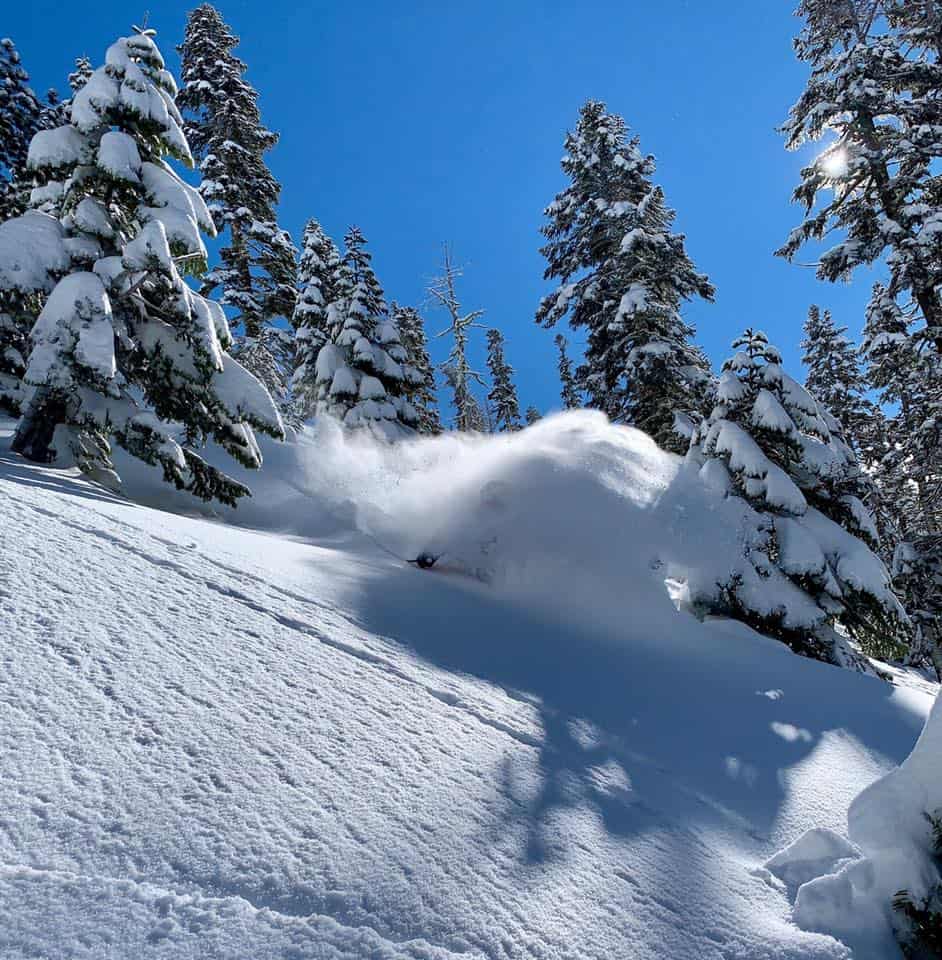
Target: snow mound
(851,896)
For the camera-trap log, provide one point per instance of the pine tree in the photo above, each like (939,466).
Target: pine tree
(875,91)
(809,541)
(875,76)
(20,114)
(257,275)
(362,370)
(902,368)
(46,192)
(320,261)
(457,369)
(917,577)
(623,277)
(474,418)
(532,415)
(503,393)
(123,349)
(422,394)
(569,392)
(834,375)
(19,308)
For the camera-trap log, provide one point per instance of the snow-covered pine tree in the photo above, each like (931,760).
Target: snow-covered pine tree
(917,577)
(362,370)
(809,541)
(569,392)
(21,302)
(257,275)
(834,376)
(457,369)
(123,349)
(503,393)
(903,369)
(623,277)
(320,261)
(20,118)
(875,77)
(422,394)
(56,113)
(532,415)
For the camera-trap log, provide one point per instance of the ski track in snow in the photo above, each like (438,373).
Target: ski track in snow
(199,762)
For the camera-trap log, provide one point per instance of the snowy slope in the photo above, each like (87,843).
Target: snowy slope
(218,741)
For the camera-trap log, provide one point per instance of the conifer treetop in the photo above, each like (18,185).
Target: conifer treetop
(623,275)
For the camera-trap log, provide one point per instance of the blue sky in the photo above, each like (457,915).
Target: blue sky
(425,122)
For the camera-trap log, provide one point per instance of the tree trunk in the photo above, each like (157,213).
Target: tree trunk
(923,291)
(34,434)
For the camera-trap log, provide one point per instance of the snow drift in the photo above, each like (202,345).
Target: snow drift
(276,739)
(849,892)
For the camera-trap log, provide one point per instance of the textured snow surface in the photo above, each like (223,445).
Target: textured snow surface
(218,741)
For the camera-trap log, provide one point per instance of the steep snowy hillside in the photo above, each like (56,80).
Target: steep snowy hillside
(277,740)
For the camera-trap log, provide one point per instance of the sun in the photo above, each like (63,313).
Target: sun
(834,163)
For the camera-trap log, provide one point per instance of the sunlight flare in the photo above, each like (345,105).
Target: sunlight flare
(834,163)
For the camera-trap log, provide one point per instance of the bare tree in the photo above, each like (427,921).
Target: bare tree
(457,370)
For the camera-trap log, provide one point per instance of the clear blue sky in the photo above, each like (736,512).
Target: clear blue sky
(428,121)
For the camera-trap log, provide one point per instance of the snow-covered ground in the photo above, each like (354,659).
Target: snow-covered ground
(273,739)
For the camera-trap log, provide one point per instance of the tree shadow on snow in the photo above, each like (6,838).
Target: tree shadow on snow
(705,737)
(15,469)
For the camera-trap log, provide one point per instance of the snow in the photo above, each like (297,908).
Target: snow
(257,733)
(764,478)
(370,389)
(60,147)
(166,189)
(32,253)
(94,100)
(815,852)
(342,382)
(851,896)
(769,414)
(149,250)
(118,156)
(91,216)
(76,318)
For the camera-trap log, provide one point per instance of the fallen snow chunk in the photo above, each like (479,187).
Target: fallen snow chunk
(814,853)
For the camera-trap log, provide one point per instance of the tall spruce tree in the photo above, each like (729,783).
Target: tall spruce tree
(459,374)
(809,538)
(503,393)
(123,349)
(320,261)
(362,370)
(902,369)
(875,77)
(257,274)
(569,392)
(20,118)
(623,277)
(835,378)
(422,394)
